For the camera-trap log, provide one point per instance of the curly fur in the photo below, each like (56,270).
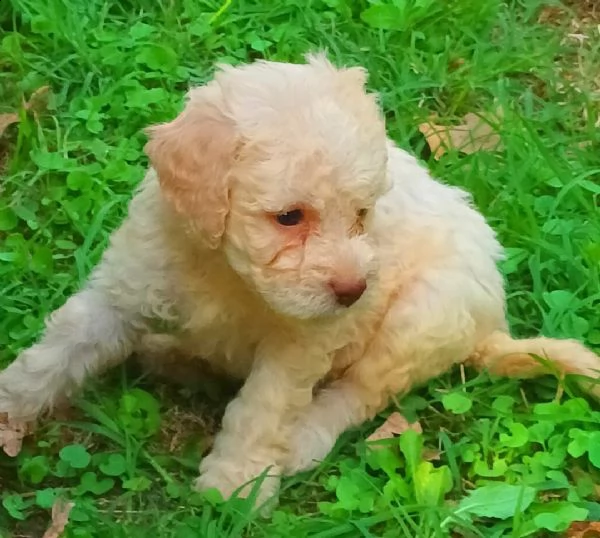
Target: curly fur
(202,254)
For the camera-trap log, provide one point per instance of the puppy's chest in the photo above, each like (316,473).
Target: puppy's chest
(222,327)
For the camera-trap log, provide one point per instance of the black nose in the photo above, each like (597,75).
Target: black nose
(347,292)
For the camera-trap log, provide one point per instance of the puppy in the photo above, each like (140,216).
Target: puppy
(282,237)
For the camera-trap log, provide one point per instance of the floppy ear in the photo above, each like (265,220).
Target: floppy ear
(193,156)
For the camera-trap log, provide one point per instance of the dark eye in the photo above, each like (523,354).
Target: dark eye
(362,213)
(291,218)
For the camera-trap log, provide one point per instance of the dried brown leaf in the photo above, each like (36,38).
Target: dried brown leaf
(11,435)
(6,120)
(394,425)
(36,103)
(38,100)
(436,137)
(472,135)
(60,518)
(584,529)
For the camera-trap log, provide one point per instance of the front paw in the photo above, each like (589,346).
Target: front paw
(15,422)
(241,478)
(23,397)
(308,447)
(12,433)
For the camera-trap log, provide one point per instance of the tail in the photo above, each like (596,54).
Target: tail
(503,355)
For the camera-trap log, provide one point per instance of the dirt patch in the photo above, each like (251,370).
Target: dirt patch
(577,14)
(587,10)
(3,159)
(578,24)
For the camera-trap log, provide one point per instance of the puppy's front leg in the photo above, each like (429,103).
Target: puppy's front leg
(348,402)
(256,424)
(422,335)
(86,334)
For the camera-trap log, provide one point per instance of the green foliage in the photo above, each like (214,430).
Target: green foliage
(457,402)
(76,456)
(501,501)
(514,460)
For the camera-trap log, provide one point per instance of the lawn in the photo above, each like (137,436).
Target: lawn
(496,457)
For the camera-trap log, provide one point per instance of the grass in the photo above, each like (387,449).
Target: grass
(515,459)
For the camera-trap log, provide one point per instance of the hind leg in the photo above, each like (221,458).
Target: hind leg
(84,336)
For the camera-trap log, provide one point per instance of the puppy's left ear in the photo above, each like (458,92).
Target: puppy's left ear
(193,156)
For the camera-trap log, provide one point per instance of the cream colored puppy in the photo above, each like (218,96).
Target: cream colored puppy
(281,236)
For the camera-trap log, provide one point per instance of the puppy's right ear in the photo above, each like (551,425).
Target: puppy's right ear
(193,156)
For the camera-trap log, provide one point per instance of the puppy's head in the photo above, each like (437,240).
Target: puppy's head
(280,166)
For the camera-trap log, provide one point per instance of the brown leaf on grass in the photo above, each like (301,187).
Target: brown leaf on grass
(6,120)
(60,518)
(436,137)
(394,425)
(36,103)
(11,435)
(473,134)
(584,529)
(38,100)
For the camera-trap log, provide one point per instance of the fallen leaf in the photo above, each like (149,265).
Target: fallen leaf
(436,138)
(584,529)
(6,120)
(35,103)
(38,100)
(60,518)
(394,425)
(11,435)
(472,135)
